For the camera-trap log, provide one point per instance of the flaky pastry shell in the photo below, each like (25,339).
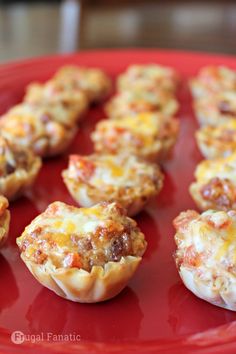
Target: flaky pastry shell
(4,220)
(223,297)
(15,184)
(87,195)
(78,285)
(63,106)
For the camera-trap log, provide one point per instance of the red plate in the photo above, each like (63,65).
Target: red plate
(155,313)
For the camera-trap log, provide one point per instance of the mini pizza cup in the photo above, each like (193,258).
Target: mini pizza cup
(4,220)
(145,136)
(134,102)
(216,109)
(148,76)
(30,128)
(92,81)
(213,80)
(217,141)
(122,178)
(19,168)
(64,106)
(85,257)
(205,255)
(215,186)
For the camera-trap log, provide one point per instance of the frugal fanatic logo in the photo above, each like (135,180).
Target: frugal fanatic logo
(18,337)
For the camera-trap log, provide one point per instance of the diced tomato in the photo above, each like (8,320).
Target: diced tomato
(210,73)
(182,221)
(191,257)
(119,130)
(221,225)
(52,209)
(73,260)
(85,168)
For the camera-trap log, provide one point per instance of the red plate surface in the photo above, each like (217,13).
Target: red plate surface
(155,313)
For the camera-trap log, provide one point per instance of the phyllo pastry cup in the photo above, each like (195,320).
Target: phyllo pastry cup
(136,101)
(31,128)
(148,76)
(216,109)
(205,255)
(215,185)
(213,80)
(217,141)
(60,104)
(84,255)
(92,81)
(19,168)
(4,219)
(146,136)
(122,178)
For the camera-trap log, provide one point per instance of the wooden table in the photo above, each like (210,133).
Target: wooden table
(38,28)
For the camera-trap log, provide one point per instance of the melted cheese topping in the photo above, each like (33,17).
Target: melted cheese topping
(118,170)
(213,237)
(144,124)
(213,134)
(86,78)
(60,221)
(222,168)
(153,97)
(210,105)
(139,134)
(228,97)
(67,236)
(217,76)
(67,221)
(56,98)
(150,70)
(22,121)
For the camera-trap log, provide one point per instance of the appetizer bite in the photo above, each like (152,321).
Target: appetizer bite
(145,136)
(4,219)
(60,104)
(134,102)
(219,141)
(122,178)
(18,169)
(212,80)
(149,76)
(205,255)
(34,129)
(216,109)
(93,82)
(83,255)
(215,186)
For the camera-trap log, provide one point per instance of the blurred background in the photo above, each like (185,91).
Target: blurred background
(32,28)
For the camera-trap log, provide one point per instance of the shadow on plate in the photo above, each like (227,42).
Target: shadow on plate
(117,319)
